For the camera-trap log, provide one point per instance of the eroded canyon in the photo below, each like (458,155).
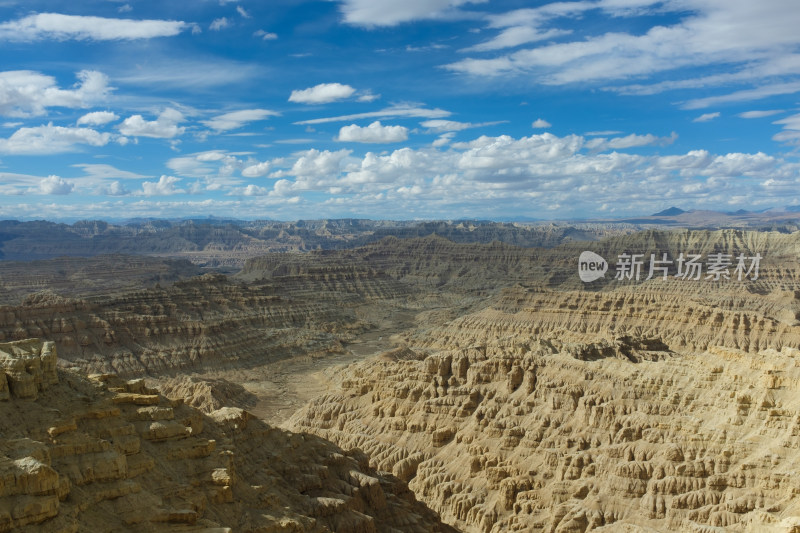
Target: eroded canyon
(419,384)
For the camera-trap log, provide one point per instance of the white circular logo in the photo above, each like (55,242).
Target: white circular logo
(591,266)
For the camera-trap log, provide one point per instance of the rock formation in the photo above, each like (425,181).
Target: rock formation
(104,454)
(522,399)
(528,434)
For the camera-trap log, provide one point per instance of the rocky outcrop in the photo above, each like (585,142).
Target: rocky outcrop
(206,394)
(534,435)
(26,368)
(105,454)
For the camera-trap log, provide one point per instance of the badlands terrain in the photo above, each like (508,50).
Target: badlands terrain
(439,377)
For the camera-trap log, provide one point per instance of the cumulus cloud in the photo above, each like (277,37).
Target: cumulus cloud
(165,186)
(237,119)
(393,12)
(706,117)
(323,93)
(389,112)
(496,174)
(257,170)
(51,139)
(316,163)
(255,190)
(97,118)
(217,163)
(114,188)
(55,185)
(27,93)
(243,12)
(164,127)
(374,133)
(540,123)
(62,27)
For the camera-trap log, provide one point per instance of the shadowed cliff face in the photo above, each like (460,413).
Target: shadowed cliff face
(103,454)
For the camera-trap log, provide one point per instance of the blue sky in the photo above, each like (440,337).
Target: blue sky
(398,109)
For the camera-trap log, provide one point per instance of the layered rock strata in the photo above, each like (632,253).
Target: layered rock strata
(206,322)
(105,454)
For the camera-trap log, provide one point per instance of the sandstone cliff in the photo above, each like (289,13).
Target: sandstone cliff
(104,454)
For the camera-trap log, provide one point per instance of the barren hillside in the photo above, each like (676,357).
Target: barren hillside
(507,393)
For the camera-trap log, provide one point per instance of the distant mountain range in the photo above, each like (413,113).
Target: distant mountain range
(216,242)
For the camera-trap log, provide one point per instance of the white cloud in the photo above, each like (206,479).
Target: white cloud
(28,93)
(316,163)
(51,139)
(389,112)
(367,96)
(791,130)
(540,123)
(219,24)
(602,133)
(62,27)
(243,12)
(745,95)
(706,117)
(103,171)
(237,119)
(515,36)
(753,43)
(55,185)
(323,93)
(393,12)
(98,118)
(217,163)
(266,35)
(114,188)
(165,186)
(630,141)
(257,170)
(255,190)
(188,73)
(759,114)
(531,172)
(164,127)
(374,133)
(443,139)
(441,125)
(125,8)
